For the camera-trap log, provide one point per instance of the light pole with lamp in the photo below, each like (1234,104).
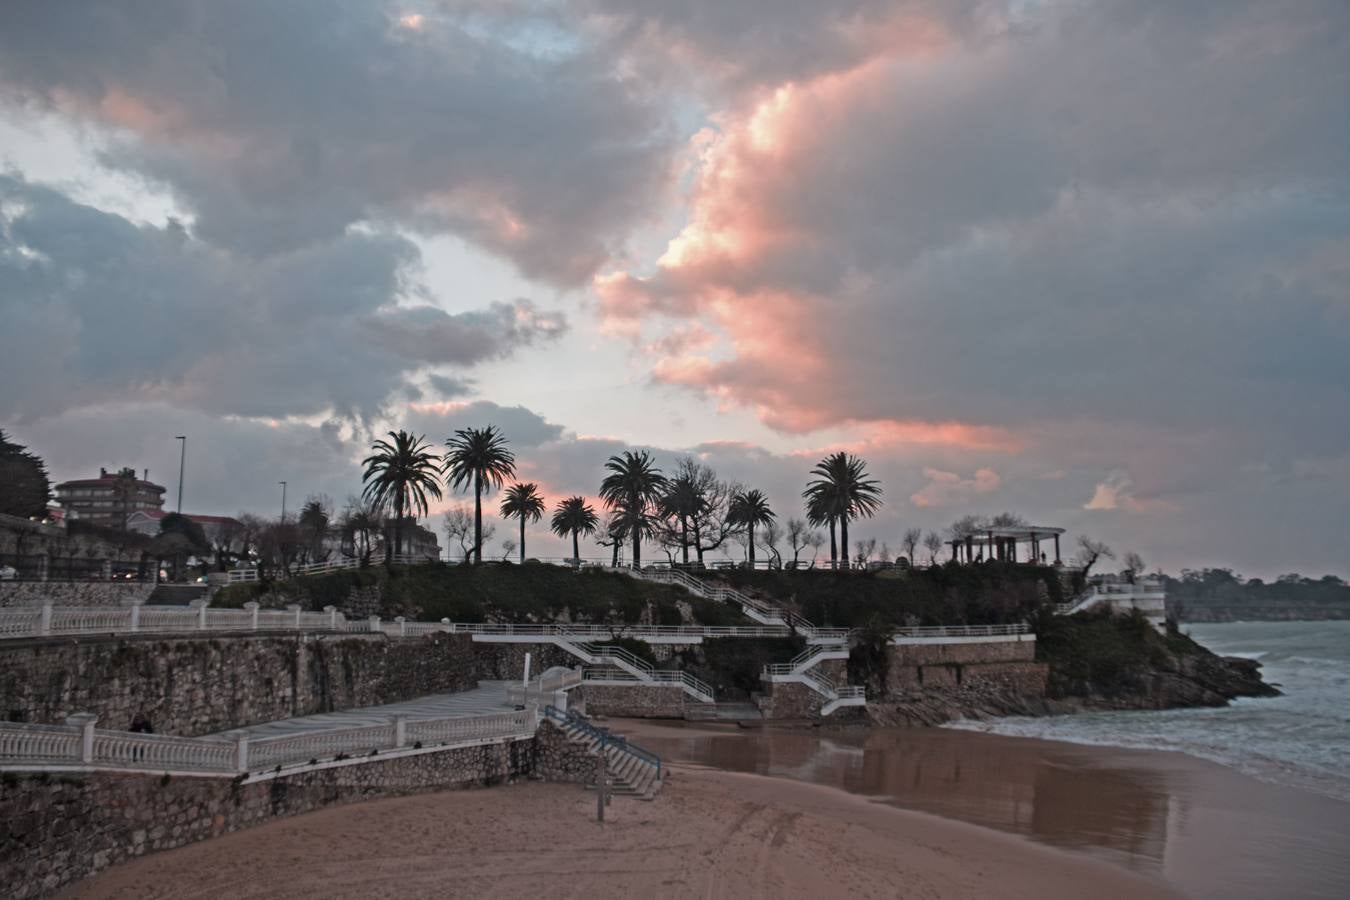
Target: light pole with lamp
(283,501)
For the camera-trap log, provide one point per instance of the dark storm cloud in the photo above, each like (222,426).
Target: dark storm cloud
(280,124)
(96,308)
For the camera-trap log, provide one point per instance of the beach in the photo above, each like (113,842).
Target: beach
(709,834)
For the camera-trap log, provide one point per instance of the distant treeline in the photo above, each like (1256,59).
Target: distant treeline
(1220,595)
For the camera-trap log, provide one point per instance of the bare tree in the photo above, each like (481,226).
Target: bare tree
(798,536)
(863,551)
(1089,551)
(909,544)
(932,542)
(769,535)
(815,540)
(458,524)
(508,547)
(1134,566)
(693,512)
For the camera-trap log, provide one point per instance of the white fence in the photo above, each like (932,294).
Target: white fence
(79,744)
(253,573)
(960,631)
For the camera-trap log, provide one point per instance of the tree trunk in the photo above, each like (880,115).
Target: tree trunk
(398,525)
(752,545)
(843,538)
(477,518)
(522,538)
(576,549)
(684,537)
(834,548)
(698,543)
(615,563)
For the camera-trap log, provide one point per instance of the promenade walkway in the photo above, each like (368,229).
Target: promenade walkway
(488,698)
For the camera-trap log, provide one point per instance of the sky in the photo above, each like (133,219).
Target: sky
(1087,262)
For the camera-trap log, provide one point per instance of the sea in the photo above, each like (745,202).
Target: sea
(1300,739)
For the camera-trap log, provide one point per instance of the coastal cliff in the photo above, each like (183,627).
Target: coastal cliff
(1096,662)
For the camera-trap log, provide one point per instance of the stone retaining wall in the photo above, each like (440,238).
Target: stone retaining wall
(57,829)
(966,652)
(1008,664)
(506,662)
(789,700)
(72,593)
(194,686)
(636,702)
(558,759)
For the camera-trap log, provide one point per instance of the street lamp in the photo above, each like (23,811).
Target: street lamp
(283,501)
(182,461)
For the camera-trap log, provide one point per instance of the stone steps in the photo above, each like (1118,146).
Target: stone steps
(629,774)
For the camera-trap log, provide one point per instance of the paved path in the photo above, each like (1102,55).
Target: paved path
(488,697)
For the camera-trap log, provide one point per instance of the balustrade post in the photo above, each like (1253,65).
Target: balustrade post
(136,615)
(45,625)
(241,752)
(332,617)
(252,607)
(294,608)
(402,626)
(400,731)
(85,722)
(375,625)
(200,606)
(44,564)
(107,570)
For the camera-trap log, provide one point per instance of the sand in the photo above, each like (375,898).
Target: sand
(710,834)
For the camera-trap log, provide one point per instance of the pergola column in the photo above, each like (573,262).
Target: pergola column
(1058,558)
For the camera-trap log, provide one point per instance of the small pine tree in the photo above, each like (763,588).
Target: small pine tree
(24,485)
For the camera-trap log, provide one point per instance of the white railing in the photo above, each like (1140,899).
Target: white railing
(80,744)
(959,631)
(690,684)
(253,573)
(617,631)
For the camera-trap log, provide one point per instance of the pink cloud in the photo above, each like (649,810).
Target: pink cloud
(947,488)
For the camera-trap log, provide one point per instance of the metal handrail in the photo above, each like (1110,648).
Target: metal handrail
(605,737)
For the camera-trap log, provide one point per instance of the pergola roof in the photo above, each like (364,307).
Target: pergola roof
(1017,533)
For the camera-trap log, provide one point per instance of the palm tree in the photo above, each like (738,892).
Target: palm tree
(523,501)
(842,491)
(574,516)
(632,486)
(400,475)
(478,456)
(748,509)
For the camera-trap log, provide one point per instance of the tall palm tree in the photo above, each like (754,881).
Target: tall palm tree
(842,491)
(400,475)
(522,500)
(748,509)
(478,456)
(631,488)
(574,516)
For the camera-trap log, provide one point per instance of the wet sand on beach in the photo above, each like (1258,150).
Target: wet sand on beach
(1207,829)
(709,834)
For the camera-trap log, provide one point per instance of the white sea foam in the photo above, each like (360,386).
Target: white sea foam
(1301,738)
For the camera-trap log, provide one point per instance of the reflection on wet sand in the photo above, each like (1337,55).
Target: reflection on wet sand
(1213,832)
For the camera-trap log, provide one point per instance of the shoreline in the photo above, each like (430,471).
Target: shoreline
(709,834)
(1206,829)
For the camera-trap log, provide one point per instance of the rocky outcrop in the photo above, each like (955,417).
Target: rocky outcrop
(1197,679)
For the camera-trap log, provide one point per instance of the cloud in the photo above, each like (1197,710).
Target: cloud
(949,488)
(98,309)
(1116,491)
(282,124)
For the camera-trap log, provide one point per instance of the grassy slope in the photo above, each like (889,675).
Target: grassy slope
(500,593)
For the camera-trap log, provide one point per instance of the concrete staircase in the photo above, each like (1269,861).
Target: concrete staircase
(633,771)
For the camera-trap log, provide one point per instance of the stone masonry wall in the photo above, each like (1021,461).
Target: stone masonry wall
(559,759)
(72,593)
(57,829)
(506,662)
(195,686)
(631,702)
(1003,664)
(789,700)
(971,652)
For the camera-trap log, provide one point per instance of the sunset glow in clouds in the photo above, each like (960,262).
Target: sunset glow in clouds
(1084,261)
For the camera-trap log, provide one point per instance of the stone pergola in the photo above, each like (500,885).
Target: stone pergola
(1001,543)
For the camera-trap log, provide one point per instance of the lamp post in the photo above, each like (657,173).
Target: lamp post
(283,501)
(182,462)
